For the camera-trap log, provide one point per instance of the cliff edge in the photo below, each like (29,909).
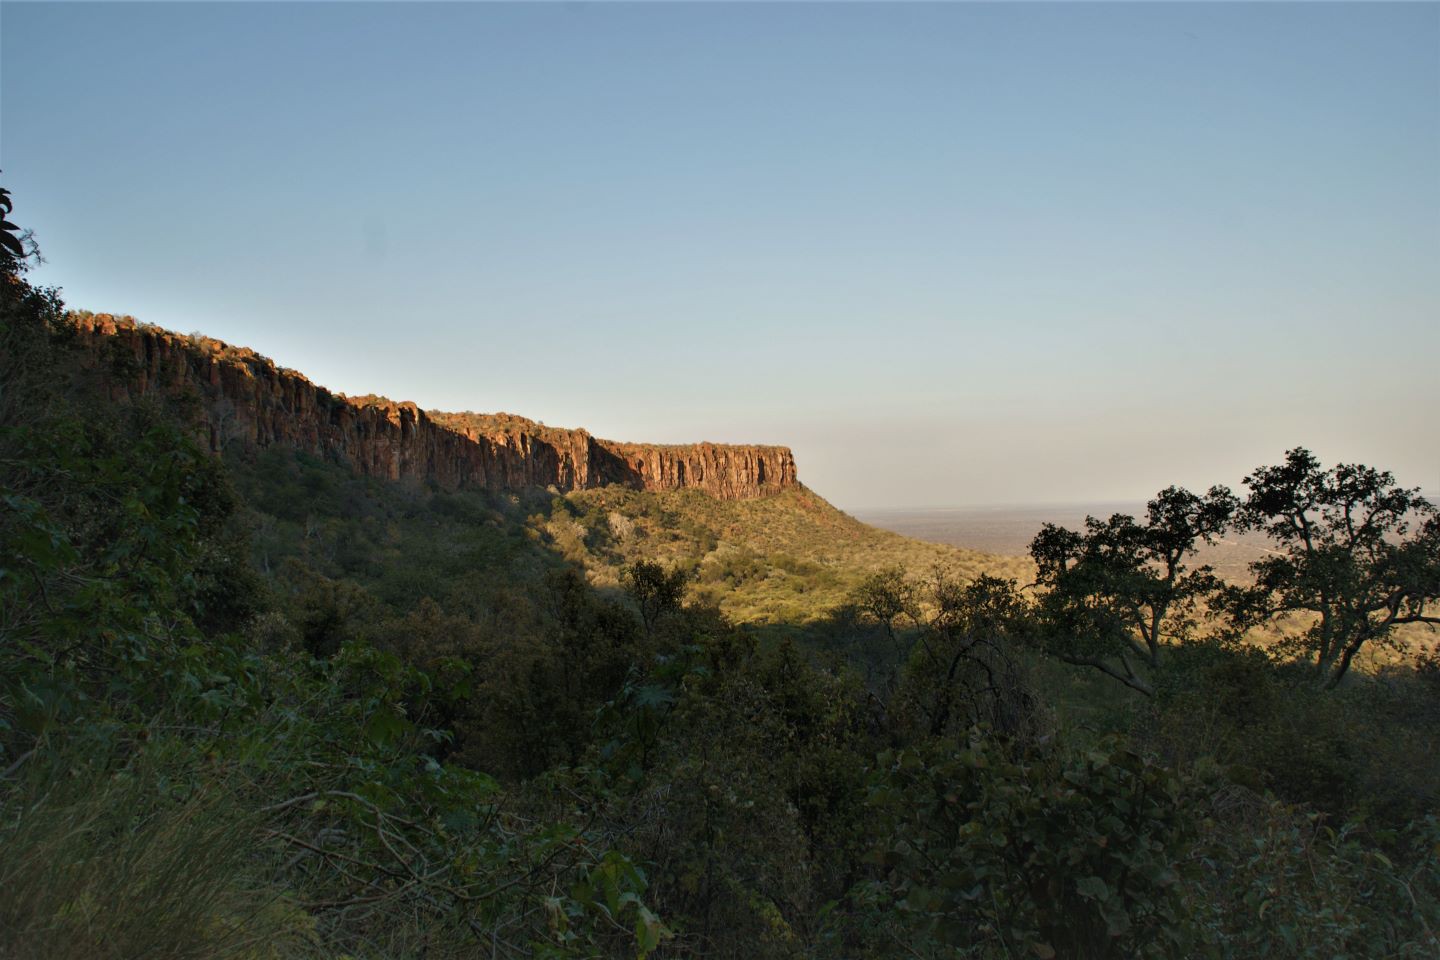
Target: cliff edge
(239,397)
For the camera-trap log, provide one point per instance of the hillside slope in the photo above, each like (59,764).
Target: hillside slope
(790,558)
(761,546)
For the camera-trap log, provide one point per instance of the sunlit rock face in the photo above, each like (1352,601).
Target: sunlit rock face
(235,396)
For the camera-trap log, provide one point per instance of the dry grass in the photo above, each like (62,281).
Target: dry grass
(135,863)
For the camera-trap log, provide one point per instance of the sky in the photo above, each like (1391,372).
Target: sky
(951,254)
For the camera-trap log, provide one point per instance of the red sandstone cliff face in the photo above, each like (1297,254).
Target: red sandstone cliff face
(243,398)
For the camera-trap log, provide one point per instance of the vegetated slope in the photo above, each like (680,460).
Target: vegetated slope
(761,546)
(791,558)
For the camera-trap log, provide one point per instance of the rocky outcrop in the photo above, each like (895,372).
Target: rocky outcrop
(235,396)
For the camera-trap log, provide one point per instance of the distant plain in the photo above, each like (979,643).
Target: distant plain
(1008,530)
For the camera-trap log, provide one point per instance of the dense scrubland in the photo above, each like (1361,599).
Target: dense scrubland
(261,706)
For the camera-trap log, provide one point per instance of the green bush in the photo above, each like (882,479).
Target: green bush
(1277,881)
(997,849)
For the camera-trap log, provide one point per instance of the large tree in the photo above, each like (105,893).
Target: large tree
(1357,553)
(961,670)
(1114,594)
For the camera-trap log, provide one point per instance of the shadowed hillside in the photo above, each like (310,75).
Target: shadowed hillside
(787,559)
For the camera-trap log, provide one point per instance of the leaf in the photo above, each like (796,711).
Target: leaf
(1117,922)
(653,696)
(1043,950)
(383,726)
(649,931)
(1093,888)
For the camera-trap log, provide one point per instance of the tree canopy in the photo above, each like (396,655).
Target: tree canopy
(1358,554)
(1115,593)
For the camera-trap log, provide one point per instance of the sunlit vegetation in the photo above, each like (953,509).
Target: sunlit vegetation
(792,558)
(259,706)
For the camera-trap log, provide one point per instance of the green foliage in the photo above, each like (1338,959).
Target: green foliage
(535,697)
(185,772)
(1366,752)
(656,591)
(886,596)
(986,846)
(739,782)
(117,550)
(1279,882)
(964,668)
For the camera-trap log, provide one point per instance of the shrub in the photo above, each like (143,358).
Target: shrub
(1019,850)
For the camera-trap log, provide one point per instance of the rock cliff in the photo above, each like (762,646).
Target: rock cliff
(237,396)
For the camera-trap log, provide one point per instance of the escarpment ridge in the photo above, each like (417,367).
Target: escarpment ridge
(240,397)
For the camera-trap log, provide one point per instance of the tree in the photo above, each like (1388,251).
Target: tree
(1345,558)
(30,318)
(12,239)
(886,595)
(655,590)
(1116,592)
(961,670)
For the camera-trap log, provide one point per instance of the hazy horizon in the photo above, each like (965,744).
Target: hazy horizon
(952,255)
(1092,505)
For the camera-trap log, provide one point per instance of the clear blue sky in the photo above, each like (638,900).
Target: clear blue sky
(951,254)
